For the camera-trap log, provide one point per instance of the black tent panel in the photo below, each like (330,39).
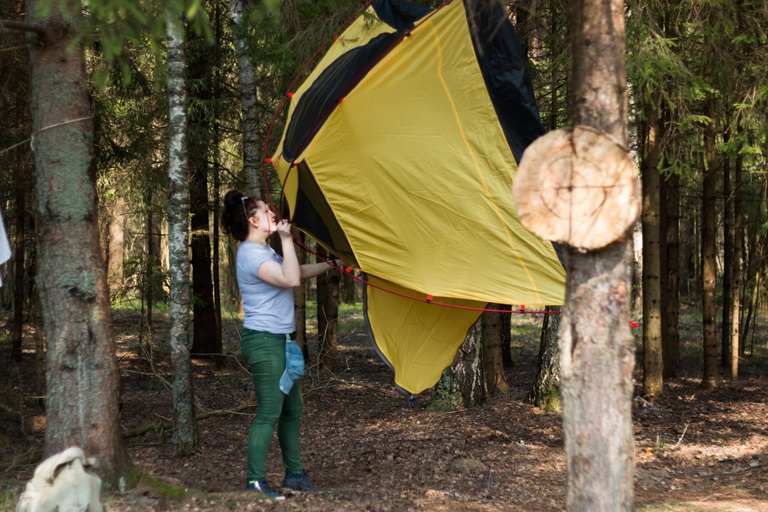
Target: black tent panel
(505,71)
(314,216)
(399,14)
(340,77)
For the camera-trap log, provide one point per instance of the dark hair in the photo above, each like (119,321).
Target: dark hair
(233,219)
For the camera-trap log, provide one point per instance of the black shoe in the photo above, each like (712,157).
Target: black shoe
(298,482)
(260,486)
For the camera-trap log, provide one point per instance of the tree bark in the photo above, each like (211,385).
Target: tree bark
(328,317)
(669,237)
(348,288)
(738,232)
(653,382)
(727,291)
(185,435)
(493,360)
(670,274)
(204,339)
(248,100)
(83,381)
(596,348)
(115,245)
(463,384)
(708,251)
(19,256)
(545,393)
(755,251)
(506,334)
(216,170)
(300,303)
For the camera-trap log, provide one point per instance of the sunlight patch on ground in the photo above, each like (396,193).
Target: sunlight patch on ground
(714,505)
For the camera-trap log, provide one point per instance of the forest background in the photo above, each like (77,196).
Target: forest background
(154,124)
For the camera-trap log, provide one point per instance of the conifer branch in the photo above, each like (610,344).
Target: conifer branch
(9,26)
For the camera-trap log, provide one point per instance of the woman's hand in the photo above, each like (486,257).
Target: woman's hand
(284,229)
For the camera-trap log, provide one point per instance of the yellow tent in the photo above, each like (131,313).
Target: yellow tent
(398,156)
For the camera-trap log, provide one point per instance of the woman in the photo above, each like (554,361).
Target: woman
(266,283)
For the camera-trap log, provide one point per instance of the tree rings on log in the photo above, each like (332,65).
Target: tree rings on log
(577,186)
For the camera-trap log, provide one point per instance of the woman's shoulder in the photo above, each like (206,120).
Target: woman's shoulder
(247,246)
(252,251)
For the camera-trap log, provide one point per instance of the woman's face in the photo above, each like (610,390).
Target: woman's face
(265,217)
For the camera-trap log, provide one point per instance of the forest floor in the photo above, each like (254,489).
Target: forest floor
(696,450)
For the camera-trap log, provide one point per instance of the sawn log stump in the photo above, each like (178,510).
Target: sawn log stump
(577,186)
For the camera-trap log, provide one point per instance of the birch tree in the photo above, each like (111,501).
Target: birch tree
(185,426)
(248,101)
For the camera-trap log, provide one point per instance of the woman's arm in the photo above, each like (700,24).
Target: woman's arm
(315,269)
(289,274)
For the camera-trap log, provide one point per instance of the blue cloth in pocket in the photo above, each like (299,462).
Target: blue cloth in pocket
(294,365)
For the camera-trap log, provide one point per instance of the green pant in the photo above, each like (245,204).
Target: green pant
(265,355)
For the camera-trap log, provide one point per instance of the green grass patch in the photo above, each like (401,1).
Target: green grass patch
(135,305)
(8,499)
(678,507)
(169,491)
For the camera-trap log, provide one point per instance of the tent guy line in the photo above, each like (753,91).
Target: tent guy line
(522,310)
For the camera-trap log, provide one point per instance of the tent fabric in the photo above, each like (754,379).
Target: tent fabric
(399,14)
(434,332)
(503,64)
(399,158)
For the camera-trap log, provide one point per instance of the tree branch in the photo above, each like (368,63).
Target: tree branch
(23,26)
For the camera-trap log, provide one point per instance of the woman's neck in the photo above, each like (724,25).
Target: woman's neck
(256,237)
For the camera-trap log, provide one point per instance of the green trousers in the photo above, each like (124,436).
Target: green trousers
(265,355)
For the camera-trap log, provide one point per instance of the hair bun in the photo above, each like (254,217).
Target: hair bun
(233,198)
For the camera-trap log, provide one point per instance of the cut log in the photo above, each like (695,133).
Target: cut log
(577,186)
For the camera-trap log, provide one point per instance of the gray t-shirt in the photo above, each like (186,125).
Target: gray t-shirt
(267,307)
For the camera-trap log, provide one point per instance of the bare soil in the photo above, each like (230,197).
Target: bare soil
(367,448)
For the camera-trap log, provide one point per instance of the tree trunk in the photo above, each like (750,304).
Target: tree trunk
(493,361)
(115,245)
(216,169)
(708,251)
(248,100)
(185,435)
(18,258)
(463,384)
(151,282)
(545,393)
(506,334)
(727,292)
(637,268)
(670,237)
(39,341)
(670,274)
(596,348)
(300,303)
(328,317)
(686,260)
(653,383)
(755,252)
(83,379)
(738,231)
(204,340)
(348,288)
